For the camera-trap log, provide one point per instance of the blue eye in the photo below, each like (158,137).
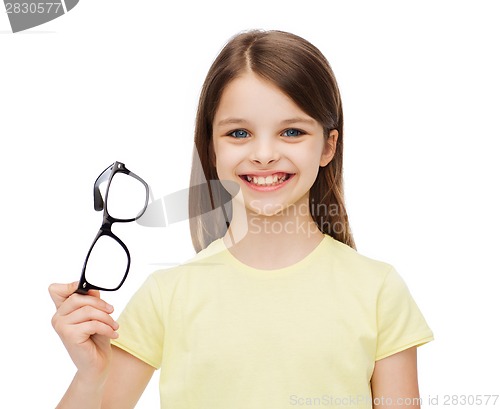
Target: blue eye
(239,133)
(292,132)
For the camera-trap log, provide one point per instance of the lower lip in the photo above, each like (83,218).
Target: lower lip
(266,188)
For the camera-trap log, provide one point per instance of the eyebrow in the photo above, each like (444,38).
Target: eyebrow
(228,121)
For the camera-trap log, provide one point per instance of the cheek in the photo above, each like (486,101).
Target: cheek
(227,157)
(309,157)
(223,163)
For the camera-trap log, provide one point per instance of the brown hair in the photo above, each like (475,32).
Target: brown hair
(301,71)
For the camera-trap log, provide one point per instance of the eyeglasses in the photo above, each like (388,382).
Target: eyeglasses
(125,200)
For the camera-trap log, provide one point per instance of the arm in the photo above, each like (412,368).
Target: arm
(127,379)
(107,377)
(394,381)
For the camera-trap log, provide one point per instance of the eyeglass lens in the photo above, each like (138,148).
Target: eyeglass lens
(107,263)
(126,196)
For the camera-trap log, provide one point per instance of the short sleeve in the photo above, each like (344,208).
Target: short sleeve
(400,323)
(141,329)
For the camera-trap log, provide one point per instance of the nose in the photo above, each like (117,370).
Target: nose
(265,151)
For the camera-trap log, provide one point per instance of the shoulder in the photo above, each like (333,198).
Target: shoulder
(344,259)
(207,259)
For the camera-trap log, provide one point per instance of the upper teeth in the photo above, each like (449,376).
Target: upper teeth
(268,180)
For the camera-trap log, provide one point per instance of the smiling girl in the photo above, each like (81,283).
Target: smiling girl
(277,309)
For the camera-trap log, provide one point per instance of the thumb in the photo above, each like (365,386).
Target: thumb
(60,292)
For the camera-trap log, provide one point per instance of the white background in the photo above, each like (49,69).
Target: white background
(119,80)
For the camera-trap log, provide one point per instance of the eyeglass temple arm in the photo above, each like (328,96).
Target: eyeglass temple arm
(98,200)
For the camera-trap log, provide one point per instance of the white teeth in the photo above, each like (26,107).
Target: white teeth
(266,181)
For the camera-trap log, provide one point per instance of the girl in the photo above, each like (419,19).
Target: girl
(277,309)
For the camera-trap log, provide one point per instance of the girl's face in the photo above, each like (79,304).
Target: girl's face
(264,142)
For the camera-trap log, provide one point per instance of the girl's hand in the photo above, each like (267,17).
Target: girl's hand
(85,327)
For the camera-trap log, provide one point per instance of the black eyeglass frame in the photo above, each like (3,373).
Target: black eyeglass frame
(107,221)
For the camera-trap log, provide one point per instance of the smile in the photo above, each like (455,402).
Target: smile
(270,182)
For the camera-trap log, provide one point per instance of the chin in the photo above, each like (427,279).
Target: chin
(266,210)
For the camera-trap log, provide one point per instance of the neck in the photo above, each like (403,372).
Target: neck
(274,240)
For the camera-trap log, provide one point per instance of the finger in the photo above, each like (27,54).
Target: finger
(95,293)
(88,313)
(80,333)
(89,328)
(60,292)
(76,301)
(73,329)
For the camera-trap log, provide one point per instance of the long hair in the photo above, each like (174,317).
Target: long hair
(300,71)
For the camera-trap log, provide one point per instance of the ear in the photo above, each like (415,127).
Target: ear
(329,148)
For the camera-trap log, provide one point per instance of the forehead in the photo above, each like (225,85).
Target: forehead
(251,98)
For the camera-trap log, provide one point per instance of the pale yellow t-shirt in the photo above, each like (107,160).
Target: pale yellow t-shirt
(229,336)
